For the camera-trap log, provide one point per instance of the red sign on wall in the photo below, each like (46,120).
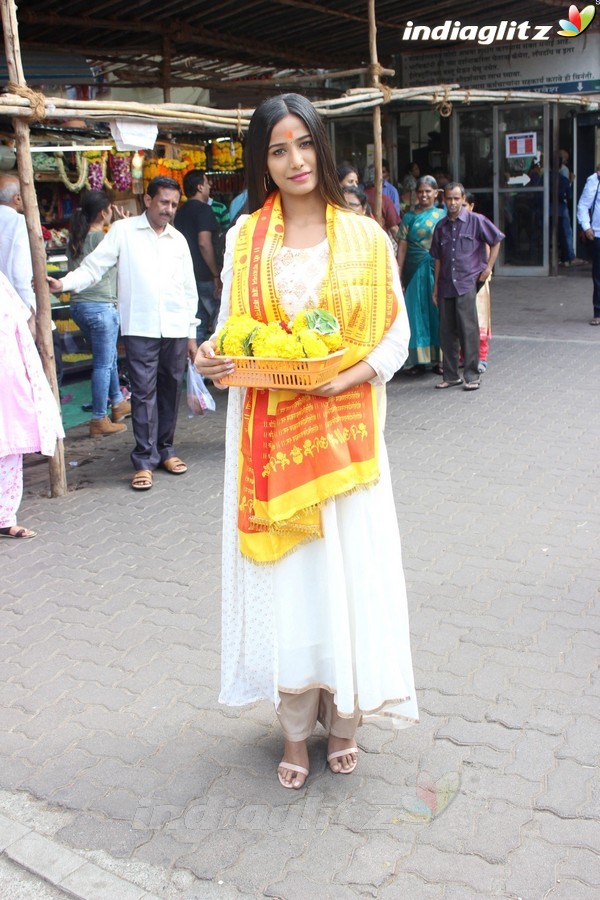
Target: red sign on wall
(524,144)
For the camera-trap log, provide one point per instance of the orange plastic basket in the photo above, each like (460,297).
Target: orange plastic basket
(290,374)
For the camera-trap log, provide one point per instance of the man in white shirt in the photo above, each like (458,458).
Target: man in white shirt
(588,216)
(15,255)
(157,306)
(15,259)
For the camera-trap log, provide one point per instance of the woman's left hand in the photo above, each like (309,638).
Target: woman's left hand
(332,388)
(349,378)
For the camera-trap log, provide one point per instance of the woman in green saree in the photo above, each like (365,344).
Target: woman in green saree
(416,270)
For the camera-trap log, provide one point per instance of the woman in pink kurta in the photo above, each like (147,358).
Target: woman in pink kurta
(29,416)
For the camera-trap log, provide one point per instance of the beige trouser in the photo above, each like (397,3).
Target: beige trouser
(299,713)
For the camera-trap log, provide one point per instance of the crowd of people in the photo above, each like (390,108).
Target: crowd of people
(314,606)
(437,320)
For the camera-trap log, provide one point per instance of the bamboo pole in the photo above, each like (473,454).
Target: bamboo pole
(203,117)
(166,69)
(56,463)
(377,143)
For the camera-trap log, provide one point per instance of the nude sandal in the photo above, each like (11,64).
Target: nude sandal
(338,754)
(292,768)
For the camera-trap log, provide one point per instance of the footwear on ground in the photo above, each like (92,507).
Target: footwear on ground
(102,427)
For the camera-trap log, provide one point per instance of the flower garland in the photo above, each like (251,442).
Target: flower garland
(82,173)
(120,165)
(97,170)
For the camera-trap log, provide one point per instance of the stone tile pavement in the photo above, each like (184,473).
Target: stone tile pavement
(120,775)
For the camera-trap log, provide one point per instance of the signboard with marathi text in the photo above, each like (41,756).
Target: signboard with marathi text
(564,65)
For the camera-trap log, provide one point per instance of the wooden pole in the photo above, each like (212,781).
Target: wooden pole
(166,70)
(377,142)
(56,464)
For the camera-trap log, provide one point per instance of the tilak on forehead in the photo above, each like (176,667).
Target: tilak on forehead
(289,135)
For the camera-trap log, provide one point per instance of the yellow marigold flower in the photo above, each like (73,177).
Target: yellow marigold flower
(324,325)
(299,323)
(332,341)
(233,334)
(273,329)
(312,344)
(278,344)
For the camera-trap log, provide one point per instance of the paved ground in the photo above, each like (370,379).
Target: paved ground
(120,776)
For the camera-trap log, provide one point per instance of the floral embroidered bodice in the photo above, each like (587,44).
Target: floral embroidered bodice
(299,275)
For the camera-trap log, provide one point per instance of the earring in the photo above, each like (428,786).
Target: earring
(266,182)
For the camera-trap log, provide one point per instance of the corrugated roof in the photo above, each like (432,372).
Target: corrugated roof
(240,49)
(51,68)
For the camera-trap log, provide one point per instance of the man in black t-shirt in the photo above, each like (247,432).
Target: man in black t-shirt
(198,224)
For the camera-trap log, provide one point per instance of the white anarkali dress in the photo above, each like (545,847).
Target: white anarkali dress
(333,613)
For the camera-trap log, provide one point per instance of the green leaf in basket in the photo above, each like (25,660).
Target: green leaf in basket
(247,342)
(221,339)
(322,321)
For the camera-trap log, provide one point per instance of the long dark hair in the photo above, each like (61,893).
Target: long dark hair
(345,168)
(265,117)
(92,204)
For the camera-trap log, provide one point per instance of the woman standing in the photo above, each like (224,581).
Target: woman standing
(314,604)
(95,312)
(416,269)
(29,416)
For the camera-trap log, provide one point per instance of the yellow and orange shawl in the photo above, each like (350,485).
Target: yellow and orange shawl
(297,450)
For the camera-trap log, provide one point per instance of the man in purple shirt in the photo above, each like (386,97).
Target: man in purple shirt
(465,246)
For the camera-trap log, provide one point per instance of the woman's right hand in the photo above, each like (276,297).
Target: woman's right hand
(212,366)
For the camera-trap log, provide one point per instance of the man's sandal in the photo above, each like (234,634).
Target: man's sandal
(442,385)
(292,768)
(142,480)
(174,465)
(340,753)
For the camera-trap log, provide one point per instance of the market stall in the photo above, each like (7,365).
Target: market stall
(61,175)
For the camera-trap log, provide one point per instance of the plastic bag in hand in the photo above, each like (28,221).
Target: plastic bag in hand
(199,398)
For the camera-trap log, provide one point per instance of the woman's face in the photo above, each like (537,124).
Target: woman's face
(292,158)
(349,180)
(426,195)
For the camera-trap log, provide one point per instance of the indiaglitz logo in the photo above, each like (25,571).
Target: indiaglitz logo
(483,34)
(504,31)
(577,21)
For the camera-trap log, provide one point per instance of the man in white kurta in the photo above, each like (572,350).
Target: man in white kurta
(157,306)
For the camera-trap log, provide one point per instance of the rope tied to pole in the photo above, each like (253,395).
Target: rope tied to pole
(239,123)
(36,99)
(387,92)
(444,107)
(375,72)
